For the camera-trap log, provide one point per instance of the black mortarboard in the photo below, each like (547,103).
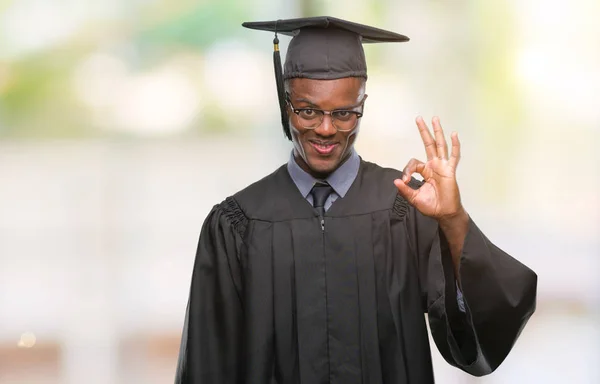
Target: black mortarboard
(323,48)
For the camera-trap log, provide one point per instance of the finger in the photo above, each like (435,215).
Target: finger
(405,190)
(428,141)
(455,154)
(440,140)
(412,166)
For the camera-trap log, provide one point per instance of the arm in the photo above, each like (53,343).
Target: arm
(498,292)
(211,340)
(455,231)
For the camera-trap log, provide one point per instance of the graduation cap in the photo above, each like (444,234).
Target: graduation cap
(322,48)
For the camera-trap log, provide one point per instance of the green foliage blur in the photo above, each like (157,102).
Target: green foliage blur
(37,97)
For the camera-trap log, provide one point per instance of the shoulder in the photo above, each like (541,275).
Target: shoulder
(234,210)
(233,215)
(259,190)
(380,180)
(266,199)
(377,173)
(383,178)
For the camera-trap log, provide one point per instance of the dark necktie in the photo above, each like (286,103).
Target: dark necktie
(320,192)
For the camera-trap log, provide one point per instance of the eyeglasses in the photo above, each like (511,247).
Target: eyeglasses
(343,120)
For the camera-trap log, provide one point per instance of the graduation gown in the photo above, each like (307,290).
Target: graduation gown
(277,297)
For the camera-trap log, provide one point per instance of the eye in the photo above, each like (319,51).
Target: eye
(343,115)
(308,113)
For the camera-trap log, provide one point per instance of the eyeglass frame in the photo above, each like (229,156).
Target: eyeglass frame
(329,112)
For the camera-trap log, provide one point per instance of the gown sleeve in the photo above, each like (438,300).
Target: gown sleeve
(498,294)
(211,340)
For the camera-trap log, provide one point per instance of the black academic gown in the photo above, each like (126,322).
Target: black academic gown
(277,299)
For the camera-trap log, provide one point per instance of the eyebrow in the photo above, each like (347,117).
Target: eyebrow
(313,105)
(306,101)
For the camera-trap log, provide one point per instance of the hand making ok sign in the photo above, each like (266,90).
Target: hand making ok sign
(438,197)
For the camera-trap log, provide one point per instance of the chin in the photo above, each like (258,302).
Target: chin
(324,167)
(320,165)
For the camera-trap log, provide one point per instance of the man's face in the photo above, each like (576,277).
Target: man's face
(322,150)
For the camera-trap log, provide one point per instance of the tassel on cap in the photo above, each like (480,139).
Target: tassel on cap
(280,88)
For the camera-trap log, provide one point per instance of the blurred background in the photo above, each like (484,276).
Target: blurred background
(122,122)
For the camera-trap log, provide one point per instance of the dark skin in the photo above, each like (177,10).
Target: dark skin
(327,95)
(438,197)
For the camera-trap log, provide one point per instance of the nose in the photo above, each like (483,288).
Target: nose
(326,128)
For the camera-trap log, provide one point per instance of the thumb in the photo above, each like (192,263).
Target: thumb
(405,191)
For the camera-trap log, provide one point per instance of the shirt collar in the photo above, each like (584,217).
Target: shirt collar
(340,180)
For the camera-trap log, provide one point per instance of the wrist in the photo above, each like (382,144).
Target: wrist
(458,219)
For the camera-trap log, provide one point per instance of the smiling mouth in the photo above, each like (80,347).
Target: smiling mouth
(323,148)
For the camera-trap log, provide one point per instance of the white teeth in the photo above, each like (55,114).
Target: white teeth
(325,148)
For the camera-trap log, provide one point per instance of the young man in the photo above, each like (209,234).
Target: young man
(321,272)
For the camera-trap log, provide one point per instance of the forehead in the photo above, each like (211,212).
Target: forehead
(328,93)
